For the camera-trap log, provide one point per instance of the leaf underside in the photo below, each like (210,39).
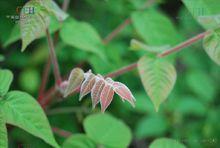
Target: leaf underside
(211,44)
(158,77)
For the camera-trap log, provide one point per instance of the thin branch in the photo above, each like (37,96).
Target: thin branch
(65,110)
(53,58)
(65,5)
(116,31)
(134,65)
(47,66)
(184,44)
(44,80)
(124,24)
(111,36)
(61,132)
(122,70)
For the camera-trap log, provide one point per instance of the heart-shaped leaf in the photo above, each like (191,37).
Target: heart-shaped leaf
(211,44)
(21,110)
(6,78)
(158,77)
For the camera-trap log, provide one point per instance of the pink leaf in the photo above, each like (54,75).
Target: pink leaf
(75,79)
(106,96)
(96,91)
(87,85)
(124,92)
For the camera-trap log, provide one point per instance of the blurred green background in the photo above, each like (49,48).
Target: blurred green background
(190,114)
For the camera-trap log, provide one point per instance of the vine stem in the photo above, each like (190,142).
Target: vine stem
(61,132)
(106,40)
(184,44)
(116,31)
(53,58)
(47,66)
(124,24)
(134,65)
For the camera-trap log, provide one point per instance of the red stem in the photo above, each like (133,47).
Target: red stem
(44,80)
(124,24)
(184,44)
(116,31)
(109,38)
(53,59)
(48,64)
(134,65)
(61,132)
(122,70)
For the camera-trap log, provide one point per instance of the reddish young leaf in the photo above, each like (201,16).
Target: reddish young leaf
(106,96)
(96,91)
(109,80)
(87,85)
(75,79)
(124,92)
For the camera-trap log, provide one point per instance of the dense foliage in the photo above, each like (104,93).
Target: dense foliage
(161,58)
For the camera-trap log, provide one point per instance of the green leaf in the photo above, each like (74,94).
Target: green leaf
(211,43)
(136,45)
(151,126)
(79,141)
(33,25)
(3,132)
(190,106)
(107,130)
(29,80)
(166,143)
(200,9)
(2,58)
(20,109)
(155,28)
(53,8)
(6,78)
(158,77)
(201,84)
(15,34)
(83,36)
